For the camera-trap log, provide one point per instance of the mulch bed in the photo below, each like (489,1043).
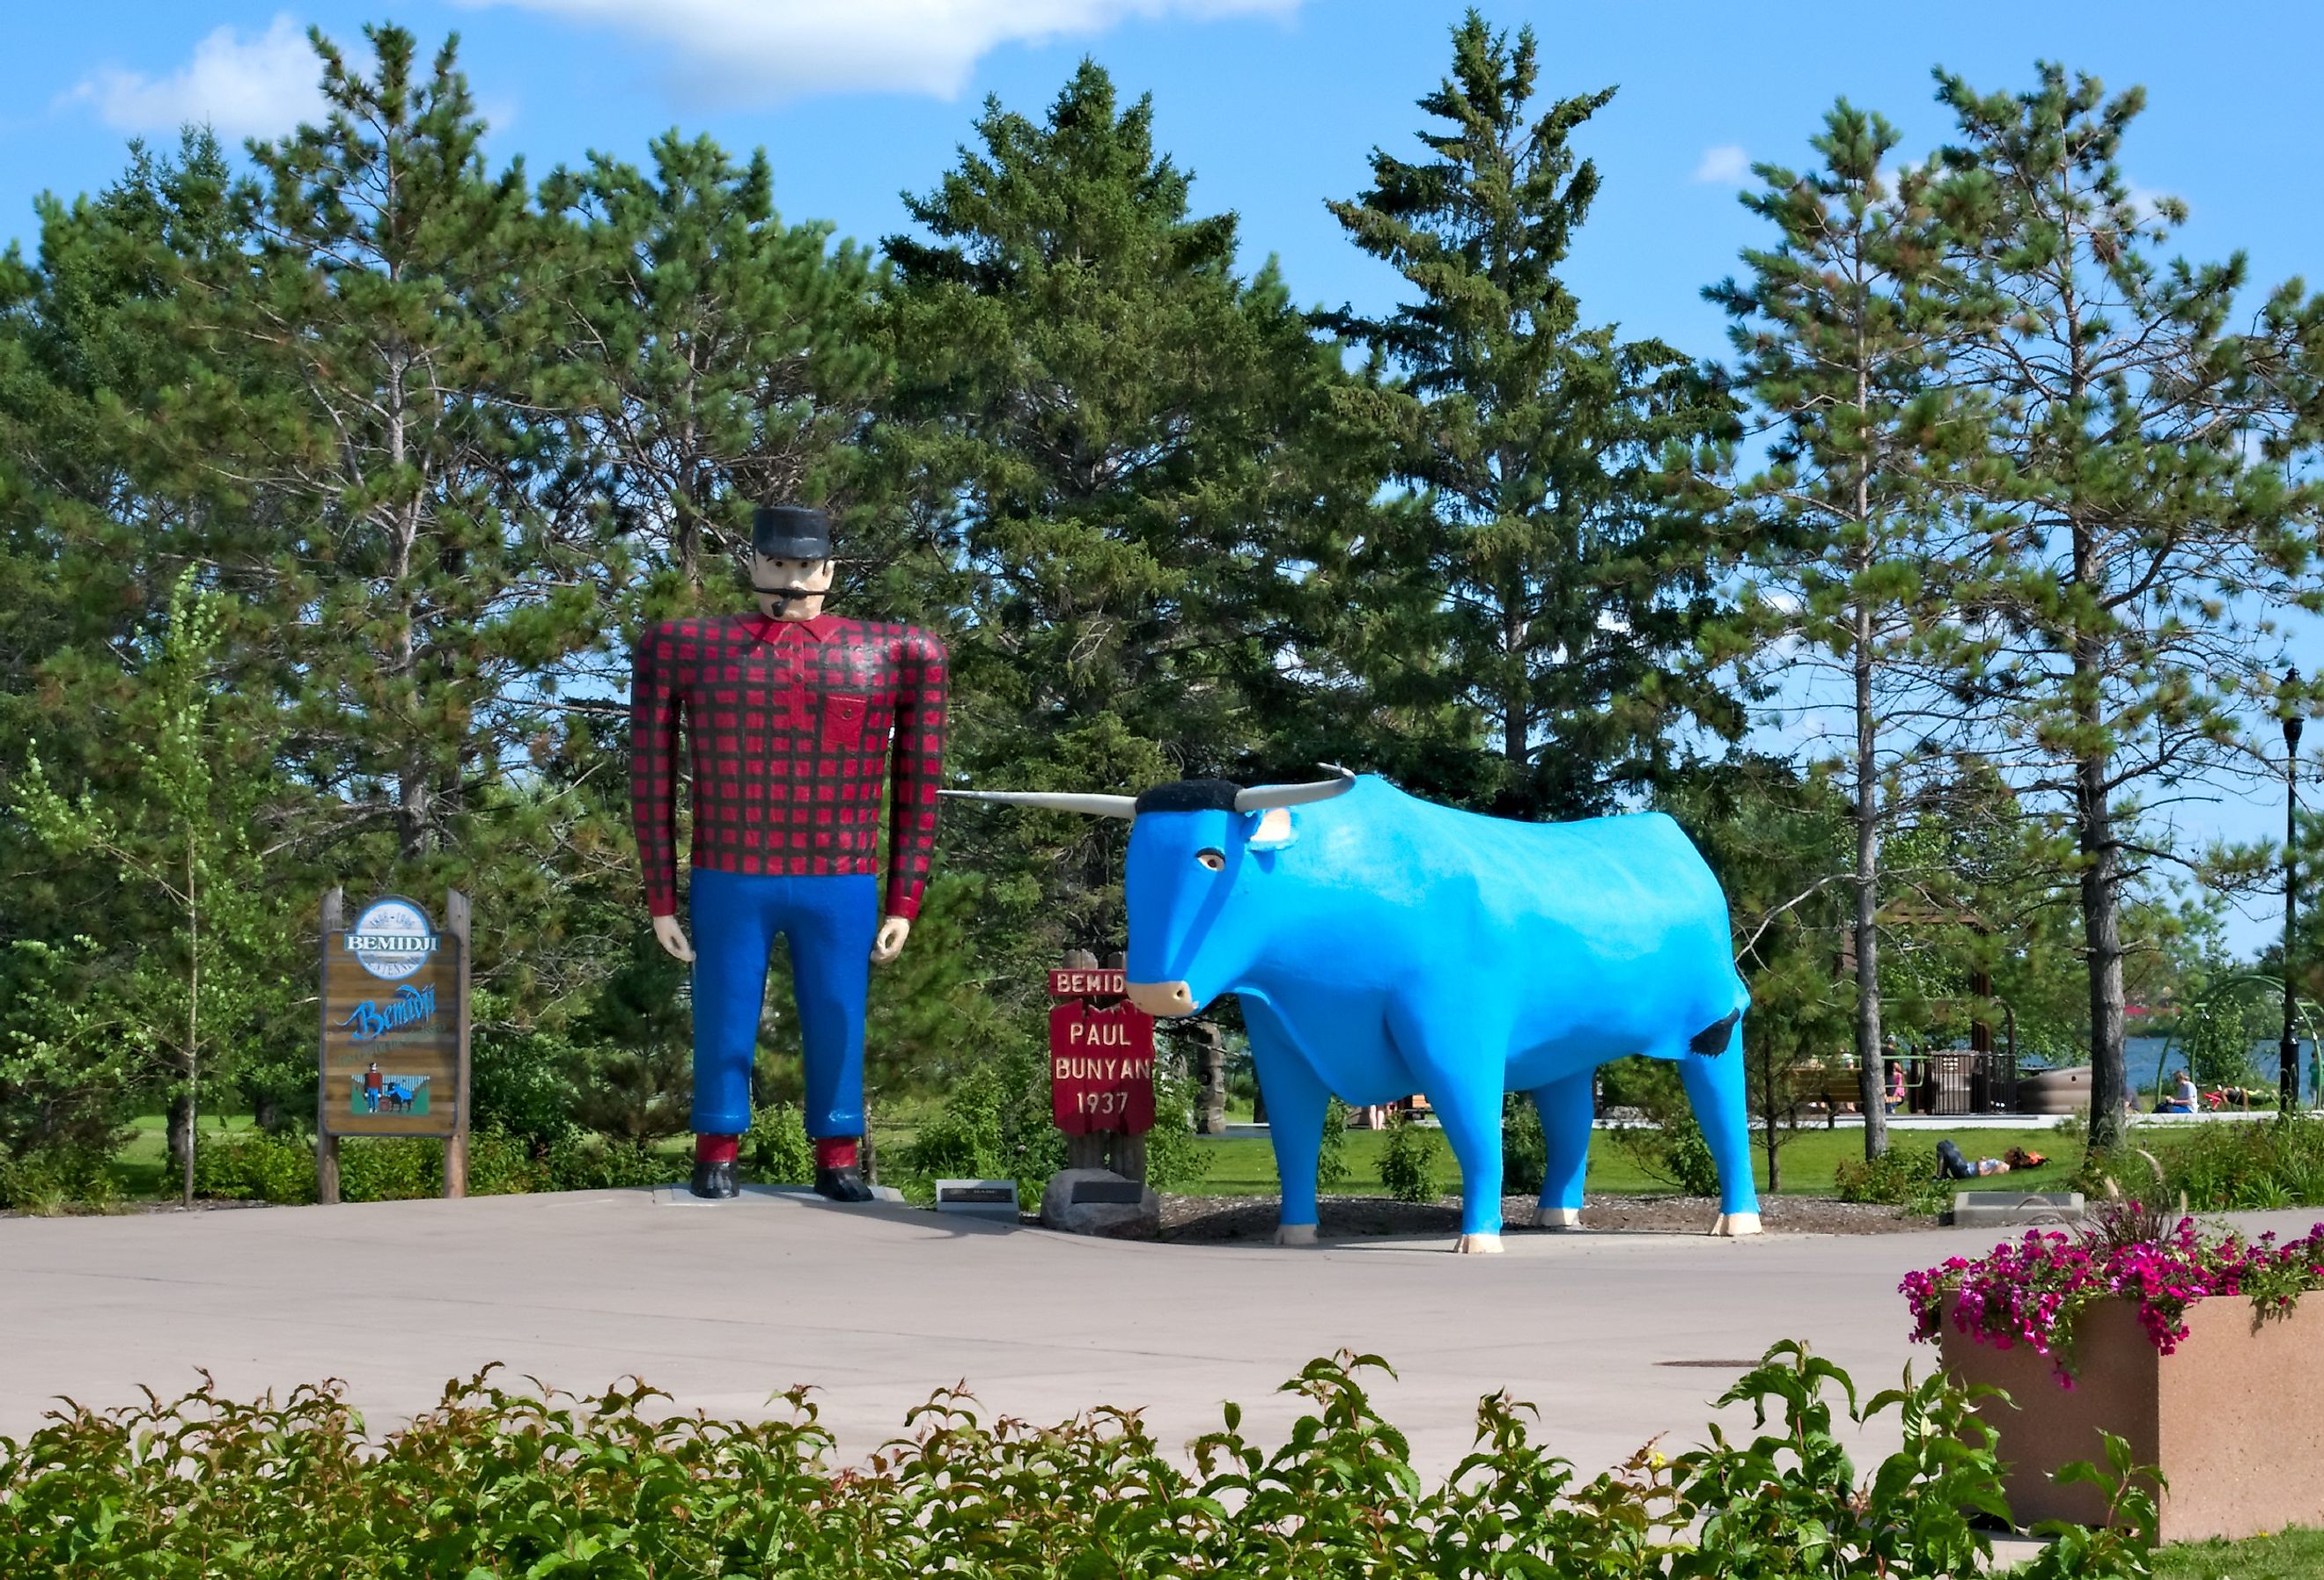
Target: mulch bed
(1223,1218)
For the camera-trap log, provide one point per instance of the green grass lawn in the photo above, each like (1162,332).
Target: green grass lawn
(1243,1167)
(142,1165)
(2290,1554)
(1811,1159)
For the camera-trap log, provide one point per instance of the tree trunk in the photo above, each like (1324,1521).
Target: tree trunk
(181,1130)
(1872,1076)
(2102,936)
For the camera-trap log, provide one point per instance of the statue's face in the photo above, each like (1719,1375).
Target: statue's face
(769,574)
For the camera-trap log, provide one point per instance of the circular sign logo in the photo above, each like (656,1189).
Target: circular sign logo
(392,939)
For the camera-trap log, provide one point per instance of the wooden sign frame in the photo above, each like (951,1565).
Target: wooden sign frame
(330,1126)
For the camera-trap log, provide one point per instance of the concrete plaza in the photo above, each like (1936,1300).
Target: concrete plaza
(723,1305)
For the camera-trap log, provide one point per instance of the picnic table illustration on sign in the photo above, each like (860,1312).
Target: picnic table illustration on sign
(377,1091)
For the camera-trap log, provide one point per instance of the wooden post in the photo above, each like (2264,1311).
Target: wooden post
(1124,1154)
(455,1145)
(326,1145)
(1210,1077)
(1087,1151)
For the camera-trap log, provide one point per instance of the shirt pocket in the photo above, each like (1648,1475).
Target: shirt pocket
(843,722)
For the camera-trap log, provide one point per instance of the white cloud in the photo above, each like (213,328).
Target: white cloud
(240,85)
(1726,165)
(2148,202)
(768,49)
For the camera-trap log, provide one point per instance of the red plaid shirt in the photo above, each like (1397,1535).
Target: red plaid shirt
(788,722)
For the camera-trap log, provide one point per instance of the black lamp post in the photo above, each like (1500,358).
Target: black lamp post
(2289,1048)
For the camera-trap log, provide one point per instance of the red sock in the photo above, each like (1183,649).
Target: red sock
(716,1149)
(835,1152)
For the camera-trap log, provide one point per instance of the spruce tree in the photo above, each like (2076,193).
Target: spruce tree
(1544,578)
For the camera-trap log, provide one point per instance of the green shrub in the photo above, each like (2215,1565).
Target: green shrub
(778,1151)
(499,1164)
(1688,1158)
(1525,1154)
(1668,1144)
(2233,1164)
(1331,1169)
(255,1165)
(50,1179)
(498,1483)
(993,1123)
(1407,1163)
(592,1162)
(1903,1175)
(1175,1158)
(522,1084)
(388,1168)
(2220,1045)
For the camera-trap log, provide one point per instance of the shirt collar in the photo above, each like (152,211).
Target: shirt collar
(763,628)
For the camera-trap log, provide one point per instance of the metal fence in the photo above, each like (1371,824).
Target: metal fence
(1961,1081)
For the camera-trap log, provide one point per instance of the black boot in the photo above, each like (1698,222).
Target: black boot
(715,1181)
(842,1184)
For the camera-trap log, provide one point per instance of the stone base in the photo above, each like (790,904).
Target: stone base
(2234,1416)
(1139,1218)
(2008,1209)
(679,1196)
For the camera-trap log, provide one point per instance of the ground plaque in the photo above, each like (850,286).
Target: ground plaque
(395,1051)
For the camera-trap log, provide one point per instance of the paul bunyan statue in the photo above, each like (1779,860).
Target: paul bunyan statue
(795,723)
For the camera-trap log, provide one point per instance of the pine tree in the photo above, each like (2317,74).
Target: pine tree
(389,400)
(736,353)
(1844,329)
(2135,487)
(1561,594)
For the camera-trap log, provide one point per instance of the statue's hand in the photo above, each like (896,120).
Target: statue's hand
(672,937)
(890,941)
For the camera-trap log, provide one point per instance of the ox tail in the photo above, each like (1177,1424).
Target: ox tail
(1713,1039)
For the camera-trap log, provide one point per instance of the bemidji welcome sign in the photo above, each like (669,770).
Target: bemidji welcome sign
(394,1031)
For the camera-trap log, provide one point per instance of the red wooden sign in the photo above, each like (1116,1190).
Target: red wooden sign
(1101,1067)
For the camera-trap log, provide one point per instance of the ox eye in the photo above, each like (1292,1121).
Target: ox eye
(1215,860)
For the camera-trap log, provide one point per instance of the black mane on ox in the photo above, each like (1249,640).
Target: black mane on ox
(1191,795)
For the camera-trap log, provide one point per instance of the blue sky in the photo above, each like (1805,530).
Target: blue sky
(1273,104)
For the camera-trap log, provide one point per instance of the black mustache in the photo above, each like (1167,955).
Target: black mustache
(789,592)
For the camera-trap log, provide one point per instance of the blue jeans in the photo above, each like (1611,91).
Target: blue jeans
(830,921)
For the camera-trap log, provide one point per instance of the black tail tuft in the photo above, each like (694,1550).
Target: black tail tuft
(1712,1039)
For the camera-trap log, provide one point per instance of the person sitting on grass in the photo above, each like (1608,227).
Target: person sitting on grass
(1951,1165)
(2182,1095)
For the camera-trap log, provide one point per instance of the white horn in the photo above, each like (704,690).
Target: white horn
(1054,801)
(1259,797)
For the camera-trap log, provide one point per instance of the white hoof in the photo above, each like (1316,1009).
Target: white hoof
(1737,1223)
(1295,1233)
(1557,1217)
(1478,1245)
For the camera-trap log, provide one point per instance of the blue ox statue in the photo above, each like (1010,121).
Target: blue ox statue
(1383,944)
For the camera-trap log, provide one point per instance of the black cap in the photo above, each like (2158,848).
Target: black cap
(790,532)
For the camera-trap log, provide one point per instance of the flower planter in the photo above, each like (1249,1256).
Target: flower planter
(2234,1418)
